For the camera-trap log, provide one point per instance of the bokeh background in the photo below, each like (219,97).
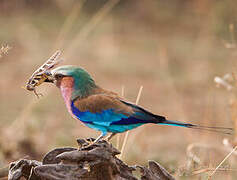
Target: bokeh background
(172,48)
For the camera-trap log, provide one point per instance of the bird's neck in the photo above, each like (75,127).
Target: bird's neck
(83,88)
(71,90)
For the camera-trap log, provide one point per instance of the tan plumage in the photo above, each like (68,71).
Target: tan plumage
(101,100)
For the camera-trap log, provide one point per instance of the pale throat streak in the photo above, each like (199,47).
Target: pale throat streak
(66,87)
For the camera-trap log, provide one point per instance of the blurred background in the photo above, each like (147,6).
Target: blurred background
(172,48)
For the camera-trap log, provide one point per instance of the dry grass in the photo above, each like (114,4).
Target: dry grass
(211,175)
(127,133)
(174,50)
(4,50)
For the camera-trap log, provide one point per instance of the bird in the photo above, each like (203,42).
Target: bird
(104,110)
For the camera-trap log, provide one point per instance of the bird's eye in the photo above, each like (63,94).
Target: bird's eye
(58,76)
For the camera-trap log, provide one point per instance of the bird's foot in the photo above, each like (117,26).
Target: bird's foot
(86,144)
(88,147)
(90,143)
(96,143)
(108,138)
(89,140)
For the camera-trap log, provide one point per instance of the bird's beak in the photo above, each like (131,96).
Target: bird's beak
(50,77)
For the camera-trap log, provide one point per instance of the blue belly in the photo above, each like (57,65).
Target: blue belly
(107,120)
(113,128)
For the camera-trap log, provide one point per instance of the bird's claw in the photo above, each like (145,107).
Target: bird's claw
(85,144)
(87,147)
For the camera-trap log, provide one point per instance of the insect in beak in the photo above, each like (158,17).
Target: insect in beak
(43,74)
(50,78)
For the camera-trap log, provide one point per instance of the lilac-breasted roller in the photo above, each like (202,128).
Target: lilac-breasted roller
(104,110)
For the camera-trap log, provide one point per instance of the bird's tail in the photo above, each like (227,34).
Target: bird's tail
(193,126)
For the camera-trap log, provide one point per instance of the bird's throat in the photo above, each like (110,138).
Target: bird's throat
(66,87)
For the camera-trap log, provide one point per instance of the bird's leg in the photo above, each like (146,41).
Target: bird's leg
(99,138)
(90,140)
(110,136)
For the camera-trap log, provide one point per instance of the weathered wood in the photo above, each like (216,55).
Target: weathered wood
(154,172)
(96,162)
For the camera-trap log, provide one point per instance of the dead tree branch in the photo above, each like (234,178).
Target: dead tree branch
(98,162)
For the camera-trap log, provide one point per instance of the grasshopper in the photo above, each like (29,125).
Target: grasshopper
(42,74)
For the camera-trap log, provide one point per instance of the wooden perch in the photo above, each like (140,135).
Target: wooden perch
(97,162)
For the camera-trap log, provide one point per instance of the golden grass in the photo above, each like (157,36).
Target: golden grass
(4,50)
(157,45)
(68,25)
(119,135)
(91,25)
(127,133)
(226,157)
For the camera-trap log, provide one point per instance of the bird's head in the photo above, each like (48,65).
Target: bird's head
(75,78)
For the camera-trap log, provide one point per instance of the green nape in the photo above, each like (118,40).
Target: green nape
(83,82)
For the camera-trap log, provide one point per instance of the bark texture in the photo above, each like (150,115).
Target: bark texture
(97,162)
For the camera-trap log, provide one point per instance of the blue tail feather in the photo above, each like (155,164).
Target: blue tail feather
(193,126)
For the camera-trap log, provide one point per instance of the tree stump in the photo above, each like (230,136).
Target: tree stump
(97,162)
